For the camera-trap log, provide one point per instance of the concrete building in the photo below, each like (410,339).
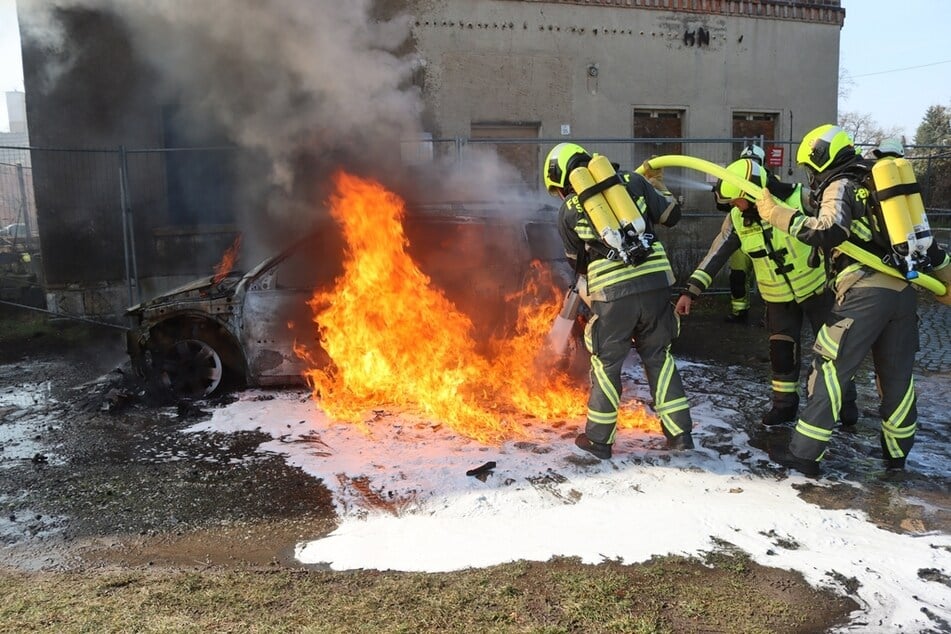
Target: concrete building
(629,68)
(16,176)
(538,70)
(16,111)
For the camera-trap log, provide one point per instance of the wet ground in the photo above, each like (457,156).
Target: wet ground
(92,473)
(916,500)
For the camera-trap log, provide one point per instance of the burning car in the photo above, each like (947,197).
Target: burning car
(234,329)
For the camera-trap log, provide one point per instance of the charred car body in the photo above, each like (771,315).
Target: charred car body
(241,330)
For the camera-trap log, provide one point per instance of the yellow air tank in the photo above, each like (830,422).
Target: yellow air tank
(620,201)
(597,207)
(916,206)
(901,231)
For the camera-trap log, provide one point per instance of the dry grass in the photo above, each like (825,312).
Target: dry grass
(725,594)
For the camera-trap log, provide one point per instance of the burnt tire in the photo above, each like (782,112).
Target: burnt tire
(191,368)
(195,361)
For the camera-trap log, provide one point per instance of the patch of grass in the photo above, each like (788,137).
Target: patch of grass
(26,332)
(28,325)
(16,324)
(665,595)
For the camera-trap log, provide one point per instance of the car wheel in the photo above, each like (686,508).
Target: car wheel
(194,359)
(191,368)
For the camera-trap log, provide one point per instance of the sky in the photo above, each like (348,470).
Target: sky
(895,53)
(11,64)
(405,501)
(898,58)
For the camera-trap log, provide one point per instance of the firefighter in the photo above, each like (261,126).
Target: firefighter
(628,299)
(791,288)
(742,277)
(741,266)
(873,311)
(889,148)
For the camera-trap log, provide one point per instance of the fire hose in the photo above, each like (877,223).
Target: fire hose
(852,250)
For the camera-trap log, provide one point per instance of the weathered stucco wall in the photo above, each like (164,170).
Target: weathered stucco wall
(531,61)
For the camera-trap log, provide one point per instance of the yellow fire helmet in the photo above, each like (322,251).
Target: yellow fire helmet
(822,146)
(747,169)
(562,158)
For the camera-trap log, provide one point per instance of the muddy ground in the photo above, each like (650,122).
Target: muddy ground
(96,474)
(93,472)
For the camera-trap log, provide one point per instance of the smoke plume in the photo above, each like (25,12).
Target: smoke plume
(316,82)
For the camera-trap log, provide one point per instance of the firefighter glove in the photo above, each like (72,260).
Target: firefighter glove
(652,172)
(944,274)
(655,176)
(774,213)
(766,205)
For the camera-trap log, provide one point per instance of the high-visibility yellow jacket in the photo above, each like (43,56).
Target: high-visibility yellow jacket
(780,261)
(612,278)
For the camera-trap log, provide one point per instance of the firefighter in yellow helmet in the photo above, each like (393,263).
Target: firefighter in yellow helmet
(792,288)
(629,299)
(873,312)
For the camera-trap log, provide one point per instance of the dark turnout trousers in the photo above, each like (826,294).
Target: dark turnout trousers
(784,320)
(649,318)
(882,321)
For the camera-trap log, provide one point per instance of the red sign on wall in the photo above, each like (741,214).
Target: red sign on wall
(774,156)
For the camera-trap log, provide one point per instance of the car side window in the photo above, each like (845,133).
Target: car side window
(312,264)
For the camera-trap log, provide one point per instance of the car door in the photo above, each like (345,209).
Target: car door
(277,316)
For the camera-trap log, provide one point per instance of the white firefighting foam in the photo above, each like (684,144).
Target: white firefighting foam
(406,503)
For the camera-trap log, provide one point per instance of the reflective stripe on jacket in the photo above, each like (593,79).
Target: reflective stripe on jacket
(609,279)
(780,262)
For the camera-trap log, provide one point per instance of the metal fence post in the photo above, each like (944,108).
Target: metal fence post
(128,231)
(24,209)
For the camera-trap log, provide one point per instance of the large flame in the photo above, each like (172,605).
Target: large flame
(394,340)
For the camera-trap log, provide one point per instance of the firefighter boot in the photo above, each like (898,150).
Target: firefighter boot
(849,414)
(597,449)
(780,414)
(891,464)
(786,458)
(739,317)
(680,442)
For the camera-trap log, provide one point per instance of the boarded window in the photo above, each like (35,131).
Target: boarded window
(754,126)
(657,124)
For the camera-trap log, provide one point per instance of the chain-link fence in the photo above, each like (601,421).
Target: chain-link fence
(120,225)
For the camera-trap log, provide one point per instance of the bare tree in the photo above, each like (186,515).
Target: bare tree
(865,130)
(845,84)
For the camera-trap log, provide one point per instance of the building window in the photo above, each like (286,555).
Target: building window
(760,127)
(657,124)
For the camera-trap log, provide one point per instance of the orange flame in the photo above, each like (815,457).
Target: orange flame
(395,340)
(226,265)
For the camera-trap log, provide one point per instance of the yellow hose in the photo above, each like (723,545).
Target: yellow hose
(852,250)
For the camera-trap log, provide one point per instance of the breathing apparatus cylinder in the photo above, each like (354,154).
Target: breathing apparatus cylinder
(620,201)
(597,207)
(916,206)
(895,213)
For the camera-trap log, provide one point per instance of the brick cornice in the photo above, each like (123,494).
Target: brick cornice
(820,11)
